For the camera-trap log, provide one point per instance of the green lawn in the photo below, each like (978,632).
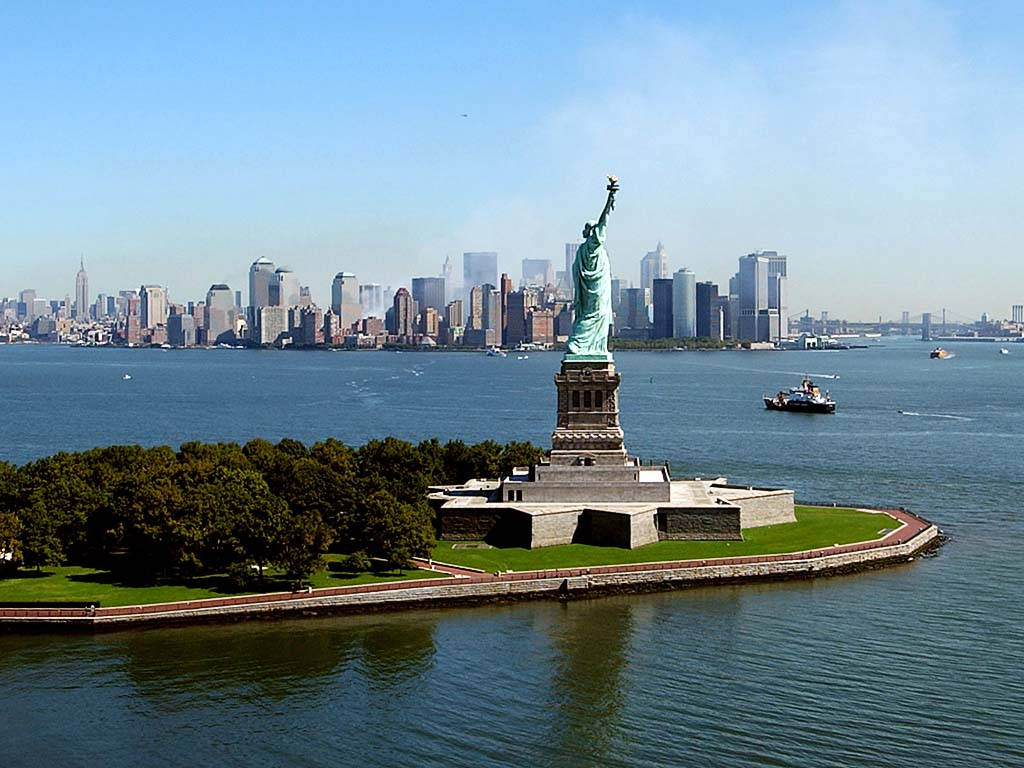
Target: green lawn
(77,584)
(815,527)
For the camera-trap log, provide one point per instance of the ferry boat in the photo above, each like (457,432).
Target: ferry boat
(939,354)
(806,398)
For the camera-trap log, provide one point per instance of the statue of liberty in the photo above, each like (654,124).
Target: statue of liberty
(592,283)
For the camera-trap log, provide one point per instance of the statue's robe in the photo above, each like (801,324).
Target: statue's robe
(592,282)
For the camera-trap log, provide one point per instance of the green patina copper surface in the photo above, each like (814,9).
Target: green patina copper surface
(592,283)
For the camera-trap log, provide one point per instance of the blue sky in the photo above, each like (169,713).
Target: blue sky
(877,145)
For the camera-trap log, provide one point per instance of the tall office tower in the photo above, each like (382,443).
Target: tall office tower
(448,273)
(100,307)
(261,277)
(26,304)
(753,295)
(540,326)
(238,299)
(505,287)
(905,318)
(219,315)
(284,289)
(653,266)
(82,292)
(926,326)
(684,304)
(661,297)
(154,306)
(1017,311)
(634,309)
(312,326)
(519,304)
(491,315)
(478,268)
(475,317)
(403,320)
(429,292)
(540,272)
(709,313)
(112,306)
(371,298)
(345,300)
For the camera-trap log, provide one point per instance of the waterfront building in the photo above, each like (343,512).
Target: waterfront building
(82,292)
(664,326)
(219,315)
(634,312)
(684,304)
(540,326)
(478,268)
(653,266)
(272,325)
(709,312)
(284,289)
(153,306)
(753,296)
(181,330)
(505,287)
(538,272)
(312,326)
(429,292)
(519,304)
(430,322)
(261,277)
(475,319)
(404,315)
(345,301)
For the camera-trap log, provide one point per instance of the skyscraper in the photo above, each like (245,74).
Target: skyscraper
(519,304)
(429,292)
(684,304)
(753,295)
(219,315)
(662,300)
(653,266)
(404,315)
(284,289)
(492,310)
(1017,311)
(345,301)
(634,309)
(505,286)
(153,306)
(539,272)
(261,275)
(570,257)
(82,292)
(448,273)
(478,267)
(709,312)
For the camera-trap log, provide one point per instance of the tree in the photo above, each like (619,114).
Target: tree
(394,531)
(303,538)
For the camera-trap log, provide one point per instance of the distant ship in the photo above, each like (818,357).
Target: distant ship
(496,352)
(1004,351)
(939,354)
(806,398)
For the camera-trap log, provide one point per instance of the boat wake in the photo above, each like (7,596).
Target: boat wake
(936,415)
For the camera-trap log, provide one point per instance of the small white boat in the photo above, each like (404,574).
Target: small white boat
(127,377)
(496,352)
(1004,351)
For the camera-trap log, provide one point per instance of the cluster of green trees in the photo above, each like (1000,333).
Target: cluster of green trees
(151,513)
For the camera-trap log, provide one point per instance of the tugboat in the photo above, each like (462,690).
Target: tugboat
(939,354)
(806,398)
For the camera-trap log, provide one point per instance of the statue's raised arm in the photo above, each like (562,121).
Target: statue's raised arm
(609,206)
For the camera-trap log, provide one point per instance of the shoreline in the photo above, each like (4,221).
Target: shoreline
(467,587)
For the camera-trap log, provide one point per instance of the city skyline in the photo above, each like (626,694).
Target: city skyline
(873,143)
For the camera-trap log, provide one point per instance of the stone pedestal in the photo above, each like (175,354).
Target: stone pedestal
(588,431)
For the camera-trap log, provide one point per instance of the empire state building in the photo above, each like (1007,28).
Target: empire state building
(82,293)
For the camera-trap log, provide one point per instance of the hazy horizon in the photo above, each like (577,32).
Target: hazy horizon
(875,146)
